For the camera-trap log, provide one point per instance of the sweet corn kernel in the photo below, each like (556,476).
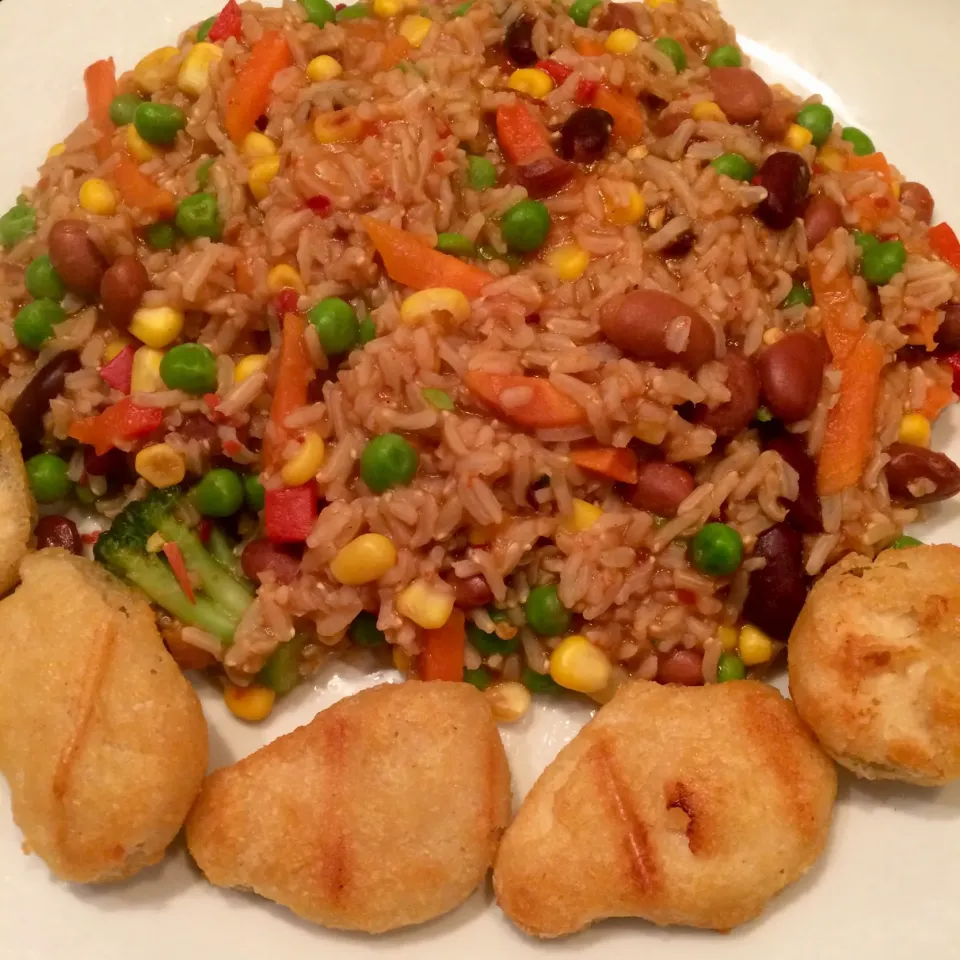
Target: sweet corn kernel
(568,262)
(625,214)
(830,158)
(653,4)
(303,466)
(253,703)
(112,349)
(915,430)
(257,145)
(772,336)
(160,465)
(248,366)
(194,75)
(895,188)
(364,559)
(584,516)
(155,542)
(284,276)
(728,637)
(156,69)
(401,660)
(798,137)
(156,326)
(56,150)
(387,8)
(509,701)
(414,29)
(622,41)
(261,173)
(578,665)
(323,68)
(638,152)
(531,81)
(755,646)
(138,148)
(97,197)
(707,110)
(479,535)
(426,604)
(145,373)
(442,303)
(338,126)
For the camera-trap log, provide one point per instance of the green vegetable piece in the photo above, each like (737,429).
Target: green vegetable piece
(539,682)
(353,12)
(253,492)
(674,51)
(367,330)
(190,367)
(862,144)
(730,667)
(865,241)
(17,224)
(123,108)
(281,672)
(579,11)
(818,119)
(84,494)
(481,677)
(763,415)
(43,282)
(364,631)
(455,243)
(716,550)
(219,493)
(159,123)
(203,31)
(799,293)
(481,173)
(726,56)
(437,398)
(320,12)
(388,461)
(459,11)
(336,324)
(162,235)
(545,613)
(904,541)
(525,226)
(488,644)
(199,216)
(203,172)
(880,264)
(734,166)
(33,324)
(48,477)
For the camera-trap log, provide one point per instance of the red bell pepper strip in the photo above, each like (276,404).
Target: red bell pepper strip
(291,390)
(122,422)
(585,92)
(118,372)
(100,81)
(556,71)
(441,653)
(172,552)
(227,23)
(944,243)
(289,513)
(250,94)
(617,463)
(523,137)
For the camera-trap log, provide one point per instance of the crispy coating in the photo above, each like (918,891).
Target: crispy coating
(874,662)
(17,506)
(384,811)
(680,805)
(102,740)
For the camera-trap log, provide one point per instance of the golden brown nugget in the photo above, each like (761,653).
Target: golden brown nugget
(680,805)
(874,662)
(102,740)
(384,811)
(17,506)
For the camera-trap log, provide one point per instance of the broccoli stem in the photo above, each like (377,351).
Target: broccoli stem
(221,548)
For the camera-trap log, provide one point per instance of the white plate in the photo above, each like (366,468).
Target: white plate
(890,880)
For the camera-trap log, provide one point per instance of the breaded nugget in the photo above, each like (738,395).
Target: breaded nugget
(680,805)
(874,664)
(17,506)
(384,811)
(102,740)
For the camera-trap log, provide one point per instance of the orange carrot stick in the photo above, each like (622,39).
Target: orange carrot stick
(617,463)
(938,397)
(139,191)
(250,94)
(441,654)
(100,81)
(541,406)
(626,113)
(291,390)
(521,134)
(841,313)
(396,51)
(588,48)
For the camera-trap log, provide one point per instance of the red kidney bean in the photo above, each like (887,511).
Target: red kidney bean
(471,591)
(197,427)
(916,475)
(544,177)
(31,406)
(681,666)
(775,122)
(786,177)
(585,136)
(777,591)
(740,93)
(113,463)
(259,556)
(54,531)
(617,16)
(805,513)
(667,123)
(821,217)
(518,42)
(948,334)
(641,323)
(661,488)
(791,374)
(918,198)
(75,257)
(743,382)
(122,287)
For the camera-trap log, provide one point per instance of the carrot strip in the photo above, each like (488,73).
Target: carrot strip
(944,243)
(139,191)
(243,276)
(100,81)
(291,390)
(172,552)
(938,397)
(396,51)
(924,332)
(876,162)
(542,406)
(250,94)
(841,313)
(441,654)
(408,260)
(617,463)
(588,48)
(522,135)
(626,113)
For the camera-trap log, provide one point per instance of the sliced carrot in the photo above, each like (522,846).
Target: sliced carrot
(874,211)
(521,133)
(939,396)
(924,332)
(441,653)
(408,260)
(243,276)
(100,80)
(172,552)
(588,48)
(876,162)
(291,390)
(626,113)
(250,94)
(544,406)
(841,312)
(944,243)
(396,51)
(617,463)
(139,191)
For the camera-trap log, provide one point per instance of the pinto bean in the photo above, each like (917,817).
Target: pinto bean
(657,327)
(55,531)
(661,488)
(681,666)
(775,122)
(740,93)
(916,475)
(31,406)
(948,334)
(743,382)
(259,556)
(471,591)
(821,216)
(805,512)
(777,591)
(518,42)
(121,289)
(75,257)
(617,16)
(585,136)
(918,198)
(544,177)
(786,177)
(791,374)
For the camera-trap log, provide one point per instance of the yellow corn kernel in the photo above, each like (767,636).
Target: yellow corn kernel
(772,336)
(622,41)
(156,326)
(248,366)
(323,68)
(578,665)
(112,349)
(728,638)
(755,646)
(138,147)
(653,4)
(895,188)
(155,542)
(414,29)
(145,373)
(261,173)
(832,159)
(915,430)
(338,126)
(160,465)
(282,277)
(387,8)
(584,516)
(303,466)
(156,69)
(257,145)
(509,701)
(402,660)
(194,75)
(798,137)
(97,197)
(56,150)
(427,604)
(442,303)
(253,703)
(707,110)
(568,262)
(478,535)
(631,212)
(364,559)
(531,81)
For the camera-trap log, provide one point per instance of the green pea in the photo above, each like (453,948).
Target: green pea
(880,264)
(353,12)
(674,51)
(455,243)
(33,324)
(437,398)
(716,550)
(727,56)
(162,235)
(320,12)
(203,172)
(904,541)
(17,224)
(190,367)
(388,461)
(481,677)
(862,144)
(818,119)
(734,166)
(525,226)
(159,123)
(199,216)
(865,241)
(458,12)
(43,282)
(253,492)
(481,173)
(364,631)
(763,415)
(545,613)
(48,478)
(579,11)
(799,293)
(367,330)
(84,494)
(730,667)
(489,644)
(203,31)
(539,682)
(336,324)
(123,107)
(219,493)
(281,672)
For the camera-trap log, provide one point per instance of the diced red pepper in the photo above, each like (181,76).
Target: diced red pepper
(211,400)
(945,244)
(227,23)
(585,92)
(952,360)
(290,512)
(122,422)
(441,653)
(286,301)
(119,371)
(175,558)
(232,447)
(320,204)
(92,537)
(558,72)
(203,530)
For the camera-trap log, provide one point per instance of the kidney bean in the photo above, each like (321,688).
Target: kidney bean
(113,463)
(775,122)
(585,136)
(54,531)
(791,374)
(518,42)
(617,16)
(731,417)
(681,666)
(661,488)
(805,512)
(740,93)
(777,591)
(197,427)
(259,556)
(471,591)
(948,334)
(821,216)
(667,123)
(75,257)
(122,287)
(544,177)
(912,470)
(786,177)
(641,323)
(918,198)
(30,407)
